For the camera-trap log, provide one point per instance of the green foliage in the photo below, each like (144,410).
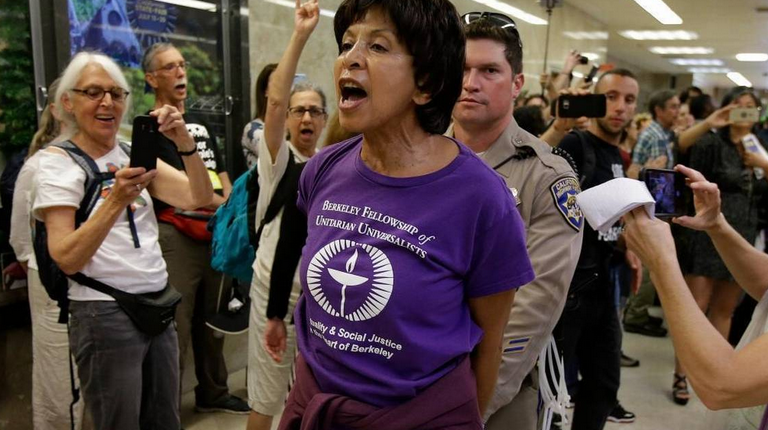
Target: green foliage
(141,102)
(18,120)
(204,77)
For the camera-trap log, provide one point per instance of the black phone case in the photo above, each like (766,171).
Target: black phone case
(590,106)
(144,142)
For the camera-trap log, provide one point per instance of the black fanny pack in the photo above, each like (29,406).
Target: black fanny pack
(150,312)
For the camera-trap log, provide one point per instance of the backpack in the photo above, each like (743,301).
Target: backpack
(55,281)
(235,236)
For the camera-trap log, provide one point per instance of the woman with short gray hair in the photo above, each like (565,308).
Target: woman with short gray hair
(129,376)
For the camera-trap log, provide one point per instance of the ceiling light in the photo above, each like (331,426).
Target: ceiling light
(659,10)
(709,70)
(659,35)
(752,57)
(292,5)
(739,79)
(681,50)
(515,12)
(586,35)
(696,61)
(194,4)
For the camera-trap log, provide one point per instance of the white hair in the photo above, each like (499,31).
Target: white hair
(73,73)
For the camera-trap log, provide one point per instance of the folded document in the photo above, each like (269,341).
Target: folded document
(604,204)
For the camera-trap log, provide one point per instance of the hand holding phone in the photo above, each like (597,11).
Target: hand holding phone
(745,115)
(144,142)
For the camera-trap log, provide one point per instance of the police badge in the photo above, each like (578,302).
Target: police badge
(564,192)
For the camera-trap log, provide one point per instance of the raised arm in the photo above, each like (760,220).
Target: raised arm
(190,191)
(279,91)
(718,119)
(722,377)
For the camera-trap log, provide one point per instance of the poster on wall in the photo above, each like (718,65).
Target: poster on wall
(124,29)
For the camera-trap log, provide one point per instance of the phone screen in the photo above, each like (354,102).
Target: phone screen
(667,188)
(751,143)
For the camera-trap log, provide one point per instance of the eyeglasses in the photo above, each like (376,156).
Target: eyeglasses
(299,111)
(169,68)
(97,93)
(496,19)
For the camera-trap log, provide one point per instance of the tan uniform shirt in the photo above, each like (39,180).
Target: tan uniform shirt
(545,187)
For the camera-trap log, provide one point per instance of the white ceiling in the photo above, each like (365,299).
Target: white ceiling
(728,26)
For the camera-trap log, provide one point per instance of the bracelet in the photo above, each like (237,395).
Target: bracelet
(187,153)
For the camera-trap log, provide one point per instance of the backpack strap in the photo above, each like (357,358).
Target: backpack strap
(279,199)
(293,235)
(252,186)
(93,179)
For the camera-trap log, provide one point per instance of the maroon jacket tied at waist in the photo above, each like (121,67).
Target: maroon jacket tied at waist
(448,404)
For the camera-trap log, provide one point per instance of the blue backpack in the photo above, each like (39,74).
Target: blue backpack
(235,236)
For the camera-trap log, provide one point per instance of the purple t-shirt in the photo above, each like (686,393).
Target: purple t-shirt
(389,264)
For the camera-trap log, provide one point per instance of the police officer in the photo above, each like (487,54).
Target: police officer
(544,186)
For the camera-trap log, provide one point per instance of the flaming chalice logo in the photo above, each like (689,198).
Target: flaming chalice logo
(381,280)
(347,279)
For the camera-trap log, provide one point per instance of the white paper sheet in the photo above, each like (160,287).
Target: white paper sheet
(604,204)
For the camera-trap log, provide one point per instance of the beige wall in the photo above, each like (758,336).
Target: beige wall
(271,26)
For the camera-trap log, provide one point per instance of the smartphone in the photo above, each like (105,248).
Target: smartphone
(668,190)
(592,73)
(570,106)
(745,115)
(583,59)
(751,143)
(144,142)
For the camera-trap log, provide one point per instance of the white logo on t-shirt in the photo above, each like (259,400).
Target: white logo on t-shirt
(381,280)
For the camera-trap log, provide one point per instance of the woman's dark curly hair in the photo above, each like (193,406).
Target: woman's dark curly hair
(433,34)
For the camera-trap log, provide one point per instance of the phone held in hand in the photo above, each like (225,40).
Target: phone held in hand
(668,190)
(751,143)
(744,115)
(144,142)
(573,106)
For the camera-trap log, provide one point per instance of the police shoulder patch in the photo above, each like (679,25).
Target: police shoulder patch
(564,191)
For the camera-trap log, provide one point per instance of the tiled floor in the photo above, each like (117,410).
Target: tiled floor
(645,390)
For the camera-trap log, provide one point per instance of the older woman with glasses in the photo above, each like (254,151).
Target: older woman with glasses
(301,109)
(129,377)
(414,248)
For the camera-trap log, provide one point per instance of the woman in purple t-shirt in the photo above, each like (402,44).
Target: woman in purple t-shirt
(414,248)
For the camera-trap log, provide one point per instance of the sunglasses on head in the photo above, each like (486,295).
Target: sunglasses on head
(496,19)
